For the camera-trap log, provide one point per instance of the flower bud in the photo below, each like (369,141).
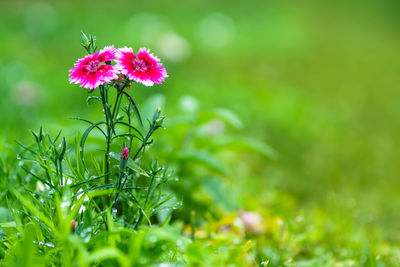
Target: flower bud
(84,40)
(73,225)
(125,153)
(156,114)
(88,42)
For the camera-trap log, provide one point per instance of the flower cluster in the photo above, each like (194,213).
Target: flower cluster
(97,68)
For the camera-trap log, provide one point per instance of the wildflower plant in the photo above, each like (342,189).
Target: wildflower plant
(66,190)
(83,203)
(98,71)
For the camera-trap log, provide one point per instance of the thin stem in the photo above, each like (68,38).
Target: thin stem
(146,201)
(149,190)
(116,104)
(107,156)
(115,113)
(119,104)
(104,99)
(61,174)
(143,143)
(129,128)
(119,187)
(118,100)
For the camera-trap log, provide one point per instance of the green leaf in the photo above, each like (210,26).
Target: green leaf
(90,122)
(31,207)
(130,164)
(35,136)
(15,216)
(93,192)
(135,108)
(228,116)
(93,97)
(107,253)
(38,178)
(85,135)
(26,148)
(58,135)
(247,144)
(5,215)
(126,135)
(63,148)
(220,194)
(102,187)
(202,157)
(131,127)
(86,181)
(28,248)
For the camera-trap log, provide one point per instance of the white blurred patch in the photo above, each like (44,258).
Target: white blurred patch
(65,203)
(146,28)
(40,186)
(26,93)
(173,47)
(188,104)
(82,209)
(215,127)
(40,19)
(217,30)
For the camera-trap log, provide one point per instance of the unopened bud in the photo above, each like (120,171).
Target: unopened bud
(84,40)
(156,114)
(125,153)
(73,225)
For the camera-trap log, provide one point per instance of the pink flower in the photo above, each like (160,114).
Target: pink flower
(93,70)
(252,221)
(143,67)
(125,153)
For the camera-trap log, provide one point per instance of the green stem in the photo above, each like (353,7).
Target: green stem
(145,202)
(117,103)
(140,149)
(119,187)
(143,143)
(107,156)
(118,100)
(61,174)
(104,99)
(109,133)
(148,191)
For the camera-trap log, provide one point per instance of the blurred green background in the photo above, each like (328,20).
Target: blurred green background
(316,80)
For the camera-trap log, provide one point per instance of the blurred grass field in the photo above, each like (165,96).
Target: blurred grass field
(316,80)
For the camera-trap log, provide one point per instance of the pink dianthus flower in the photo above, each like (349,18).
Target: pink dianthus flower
(94,70)
(143,67)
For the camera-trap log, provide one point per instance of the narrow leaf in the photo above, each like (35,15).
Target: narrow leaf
(85,135)
(90,122)
(130,164)
(135,108)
